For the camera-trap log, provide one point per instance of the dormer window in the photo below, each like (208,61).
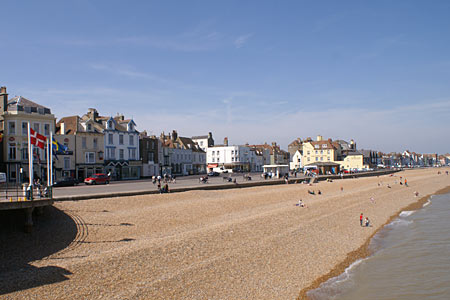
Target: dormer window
(110,124)
(324,145)
(89,127)
(316,146)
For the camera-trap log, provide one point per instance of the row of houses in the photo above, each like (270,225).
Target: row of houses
(330,156)
(112,144)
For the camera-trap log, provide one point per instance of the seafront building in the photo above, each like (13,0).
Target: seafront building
(150,149)
(181,155)
(85,140)
(15,113)
(121,142)
(204,141)
(234,157)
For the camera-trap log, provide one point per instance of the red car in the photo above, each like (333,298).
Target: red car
(97,179)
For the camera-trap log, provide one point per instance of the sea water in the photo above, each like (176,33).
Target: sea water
(411,260)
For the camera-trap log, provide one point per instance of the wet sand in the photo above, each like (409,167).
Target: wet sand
(251,243)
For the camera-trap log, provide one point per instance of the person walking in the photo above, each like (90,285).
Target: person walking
(361,217)
(406,182)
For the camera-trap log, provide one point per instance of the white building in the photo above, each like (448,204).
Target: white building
(296,161)
(236,157)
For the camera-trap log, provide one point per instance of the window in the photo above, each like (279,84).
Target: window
(213,153)
(321,151)
(120,139)
(213,160)
(309,159)
(66,163)
(110,124)
(25,151)
(217,152)
(110,153)
(90,157)
(110,139)
(218,159)
(317,158)
(321,158)
(11,127)
(95,143)
(131,140)
(317,152)
(83,143)
(36,127)
(328,151)
(309,153)
(316,146)
(151,156)
(120,153)
(328,158)
(133,154)
(324,145)
(12,151)
(47,129)
(232,159)
(201,143)
(24,128)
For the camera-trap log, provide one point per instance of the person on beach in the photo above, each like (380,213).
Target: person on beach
(367,222)
(372,200)
(361,217)
(301,204)
(319,192)
(388,186)
(342,188)
(311,192)
(416,194)
(159,186)
(406,182)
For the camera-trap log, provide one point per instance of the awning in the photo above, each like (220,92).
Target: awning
(213,165)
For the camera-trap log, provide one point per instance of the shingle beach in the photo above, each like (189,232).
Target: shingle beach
(251,243)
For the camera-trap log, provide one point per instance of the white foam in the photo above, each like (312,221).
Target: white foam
(330,289)
(406,213)
(427,203)
(399,222)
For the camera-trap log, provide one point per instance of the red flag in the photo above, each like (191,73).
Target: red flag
(37,139)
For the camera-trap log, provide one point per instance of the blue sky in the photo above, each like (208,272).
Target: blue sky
(255,71)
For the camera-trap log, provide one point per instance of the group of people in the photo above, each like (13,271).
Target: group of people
(364,222)
(166,178)
(311,192)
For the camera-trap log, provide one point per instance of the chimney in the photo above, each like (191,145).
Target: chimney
(225,141)
(174,135)
(319,138)
(93,114)
(3,99)
(62,129)
(352,144)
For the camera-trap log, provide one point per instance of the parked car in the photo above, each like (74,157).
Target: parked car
(66,181)
(97,179)
(213,173)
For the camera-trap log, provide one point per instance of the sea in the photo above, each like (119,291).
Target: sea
(410,260)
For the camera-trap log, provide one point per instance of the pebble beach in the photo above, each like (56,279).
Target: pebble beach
(250,243)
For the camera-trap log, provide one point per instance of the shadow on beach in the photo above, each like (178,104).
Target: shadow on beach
(53,231)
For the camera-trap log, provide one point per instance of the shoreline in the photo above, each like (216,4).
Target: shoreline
(364,251)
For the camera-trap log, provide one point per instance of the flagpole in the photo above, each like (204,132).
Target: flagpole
(48,164)
(51,158)
(30,156)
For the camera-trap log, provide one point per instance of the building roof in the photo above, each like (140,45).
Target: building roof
(20,103)
(327,144)
(199,137)
(70,125)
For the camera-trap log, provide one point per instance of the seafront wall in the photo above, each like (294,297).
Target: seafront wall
(225,186)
